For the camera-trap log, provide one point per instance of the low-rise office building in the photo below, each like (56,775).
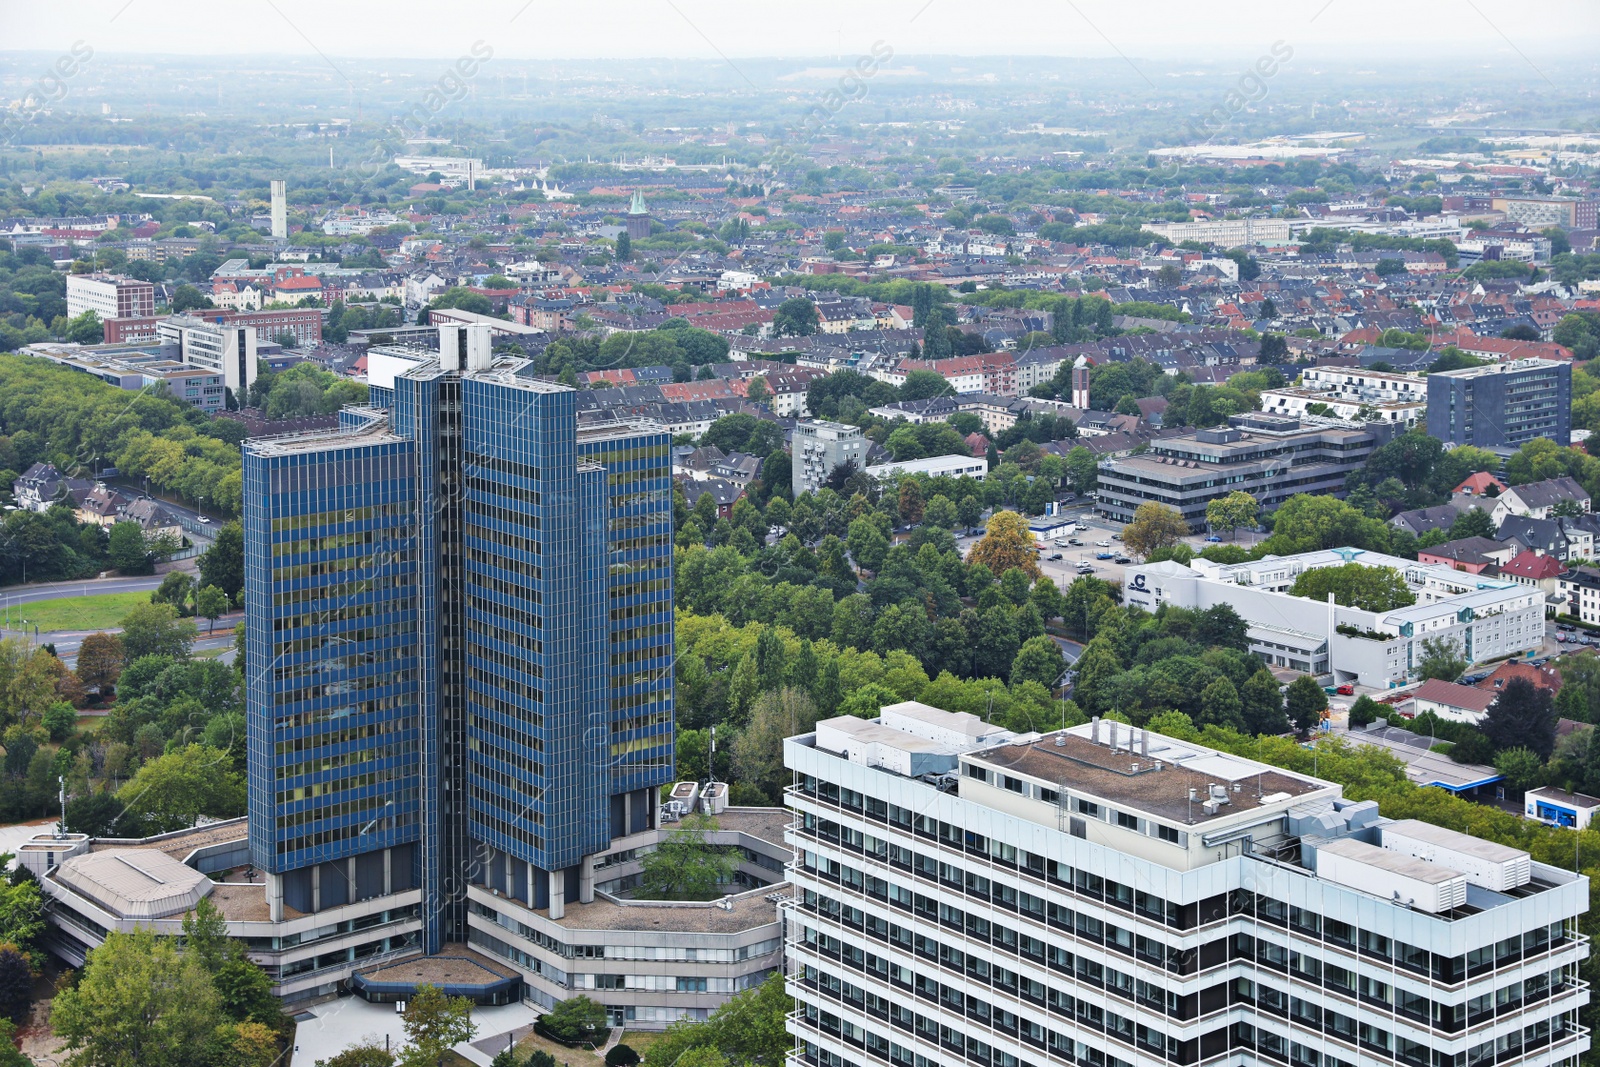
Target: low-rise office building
(1271,457)
(1485,618)
(934,466)
(1097,896)
(136,367)
(651,963)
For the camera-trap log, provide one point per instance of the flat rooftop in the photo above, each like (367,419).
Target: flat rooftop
(180,845)
(1130,779)
(458,965)
(1388,860)
(753,909)
(1423,766)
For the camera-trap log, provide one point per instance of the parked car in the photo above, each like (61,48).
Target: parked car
(1104,555)
(1565,627)
(1121,559)
(1561,637)
(1069,498)
(1075,541)
(1117,536)
(1102,544)
(1085,568)
(1055,555)
(1214,540)
(1347,690)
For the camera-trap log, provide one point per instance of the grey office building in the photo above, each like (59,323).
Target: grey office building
(1271,457)
(1502,405)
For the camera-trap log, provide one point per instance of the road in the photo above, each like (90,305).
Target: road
(27,594)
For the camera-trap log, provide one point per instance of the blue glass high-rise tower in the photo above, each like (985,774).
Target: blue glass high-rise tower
(458,640)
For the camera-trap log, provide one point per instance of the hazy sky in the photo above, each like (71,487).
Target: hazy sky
(1430,30)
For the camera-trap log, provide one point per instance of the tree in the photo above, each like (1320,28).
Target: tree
(366,1054)
(1305,703)
(1521,768)
(1083,470)
(187,298)
(1230,512)
(127,549)
(434,1025)
(924,384)
(1038,660)
(60,719)
(156,630)
(795,317)
(685,866)
(968,511)
(867,542)
(747,1030)
(624,248)
(1441,658)
(1007,543)
(758,748)
(1353,585)
(1220,704)
(139,1000)
(172,791)
(222,565)
(175,589)
(1365,711)
(576,1019)
(100,660)
(16,983)
(1274,348)
(1524,716)
(1154,526)
(210,603)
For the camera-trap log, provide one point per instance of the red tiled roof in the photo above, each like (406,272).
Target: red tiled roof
(1527,564)
(1455,696)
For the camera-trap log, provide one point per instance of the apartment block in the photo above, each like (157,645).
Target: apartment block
(1225,233)
(818,447)
(1108,897)
(1502,405)
(1353,395)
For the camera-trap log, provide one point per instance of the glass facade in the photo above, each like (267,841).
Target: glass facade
(459,635)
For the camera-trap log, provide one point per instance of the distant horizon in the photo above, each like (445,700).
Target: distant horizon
(731,31)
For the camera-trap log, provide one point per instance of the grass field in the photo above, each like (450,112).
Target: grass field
(96,612)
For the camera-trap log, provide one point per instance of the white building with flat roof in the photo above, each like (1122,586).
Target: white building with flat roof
(1486,618)
(974,467)
(1103,897)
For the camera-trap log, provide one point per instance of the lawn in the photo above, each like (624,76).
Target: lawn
(99,611)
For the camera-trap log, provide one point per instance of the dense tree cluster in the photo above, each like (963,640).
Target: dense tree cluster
(83,425)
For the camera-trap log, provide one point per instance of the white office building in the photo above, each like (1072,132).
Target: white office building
(1487,618)
(1097,898)
(228,349)
(974,467)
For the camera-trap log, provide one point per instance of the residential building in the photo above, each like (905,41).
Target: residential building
(1502,405)
(1581,588)
(109,296)
(1471,554)
(1530,568)
(1485,618)
(1268,456)
(1447,700)
(1539,500)
(1539,212)
(974,467)
(818,447)
(41,485)
(1351,394)
(1105,896)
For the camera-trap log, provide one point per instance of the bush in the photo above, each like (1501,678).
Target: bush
(621,1056)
